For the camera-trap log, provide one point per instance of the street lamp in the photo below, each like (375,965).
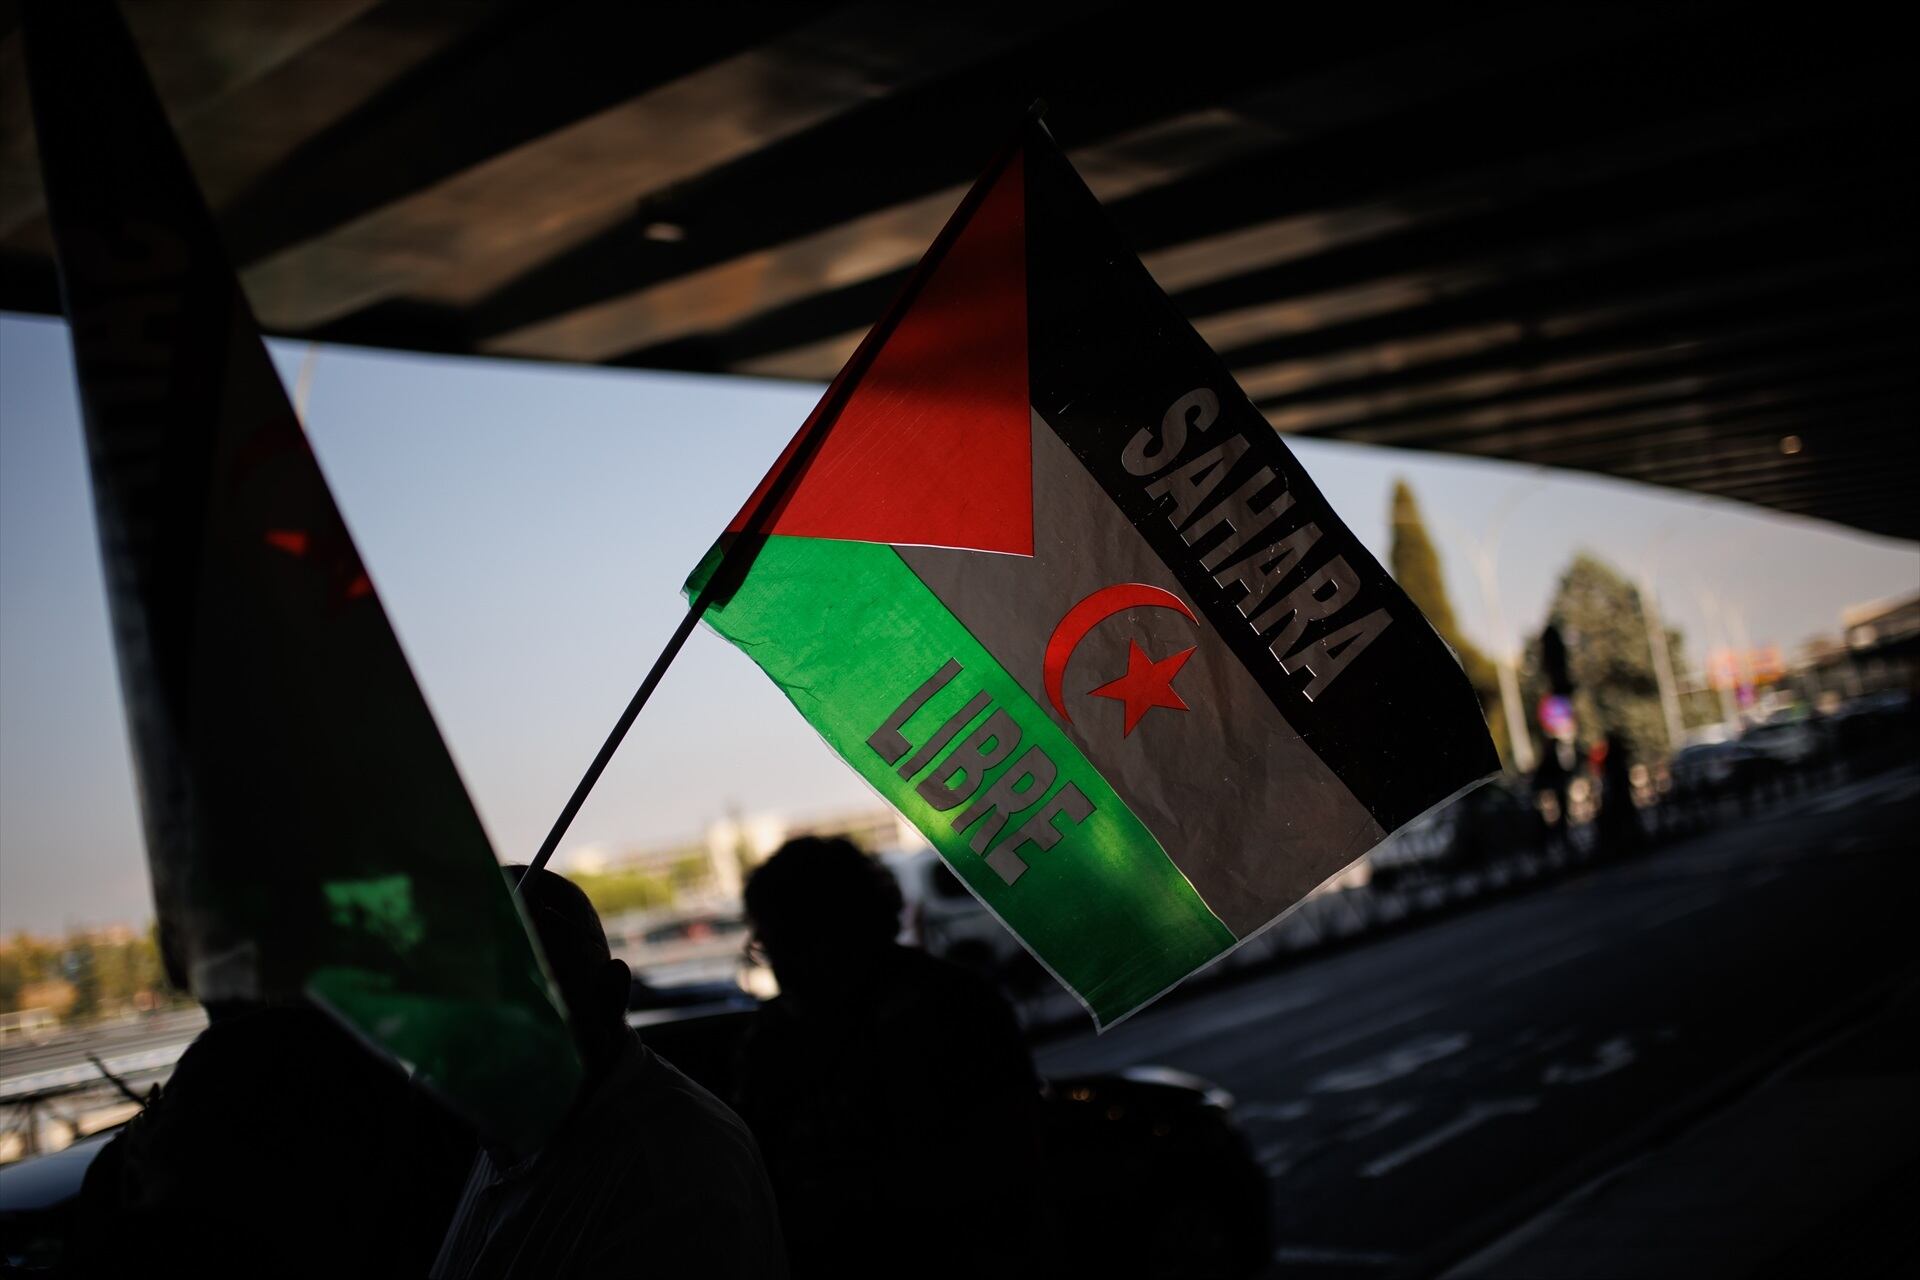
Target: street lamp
(1657,638)
(1484,551)
(303,383)
(1729,709)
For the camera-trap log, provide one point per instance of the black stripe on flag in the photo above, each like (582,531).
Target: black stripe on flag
(1108,357)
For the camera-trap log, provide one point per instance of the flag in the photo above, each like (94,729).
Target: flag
(1050,583)
(307,833)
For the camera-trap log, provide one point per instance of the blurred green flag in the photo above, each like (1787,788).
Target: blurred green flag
(307,832)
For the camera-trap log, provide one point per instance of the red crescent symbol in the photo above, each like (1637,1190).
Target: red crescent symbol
(1087,615)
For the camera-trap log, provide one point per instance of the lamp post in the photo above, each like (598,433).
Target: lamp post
(1749,671)
(1729,709)
(303,382)
(1484,551)
(1657,639)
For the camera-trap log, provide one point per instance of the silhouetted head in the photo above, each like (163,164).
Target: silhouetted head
(821,909)
(593,983)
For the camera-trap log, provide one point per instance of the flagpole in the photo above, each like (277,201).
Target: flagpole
(740,554)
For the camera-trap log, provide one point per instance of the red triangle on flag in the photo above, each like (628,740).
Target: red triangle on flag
(933,445)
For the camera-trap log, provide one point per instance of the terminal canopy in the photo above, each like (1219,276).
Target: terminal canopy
(1669,243)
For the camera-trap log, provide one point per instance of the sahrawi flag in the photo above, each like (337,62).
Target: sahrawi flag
(1054,588)
(307,833)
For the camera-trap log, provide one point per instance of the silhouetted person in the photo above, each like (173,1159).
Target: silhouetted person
(649,1175)
(1554,776)
(890,1091)
(280,1146)
(1619,817)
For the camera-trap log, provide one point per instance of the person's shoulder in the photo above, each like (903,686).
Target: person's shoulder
(685,1128)
(663,1174)
(662,1091)
(696,1153)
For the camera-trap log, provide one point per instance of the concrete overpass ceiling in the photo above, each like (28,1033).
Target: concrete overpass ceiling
(1652,242)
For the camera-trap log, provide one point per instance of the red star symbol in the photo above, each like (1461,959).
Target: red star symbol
(1147,684)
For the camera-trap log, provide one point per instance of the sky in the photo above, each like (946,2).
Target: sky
(528,528)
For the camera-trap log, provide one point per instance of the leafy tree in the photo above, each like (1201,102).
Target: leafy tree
(690,872)
(1605,627)
(617,892)
(1415,564)
(88,973)
(24,961)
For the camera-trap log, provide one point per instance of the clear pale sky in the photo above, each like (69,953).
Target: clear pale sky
(528,527)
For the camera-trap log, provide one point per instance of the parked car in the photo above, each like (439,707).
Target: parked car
(1875,729)
(1154,1178)
(1791,744)
(1708,772)
(36,1206)
(700,928)
(1488,822)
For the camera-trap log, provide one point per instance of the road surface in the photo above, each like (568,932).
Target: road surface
(116,1040)
(1414,1094)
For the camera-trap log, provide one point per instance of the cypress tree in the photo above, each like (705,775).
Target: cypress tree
(1415,564)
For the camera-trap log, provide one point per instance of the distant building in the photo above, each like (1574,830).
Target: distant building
(1873,628)
(1878,648)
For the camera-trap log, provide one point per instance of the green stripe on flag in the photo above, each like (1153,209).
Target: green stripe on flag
(848,632)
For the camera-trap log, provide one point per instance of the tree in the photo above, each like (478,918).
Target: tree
(1415,564)
(89,973)
(1604,625)
(615,893)
(25,962)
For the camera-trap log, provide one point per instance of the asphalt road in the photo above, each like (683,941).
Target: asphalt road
(1416,1094)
